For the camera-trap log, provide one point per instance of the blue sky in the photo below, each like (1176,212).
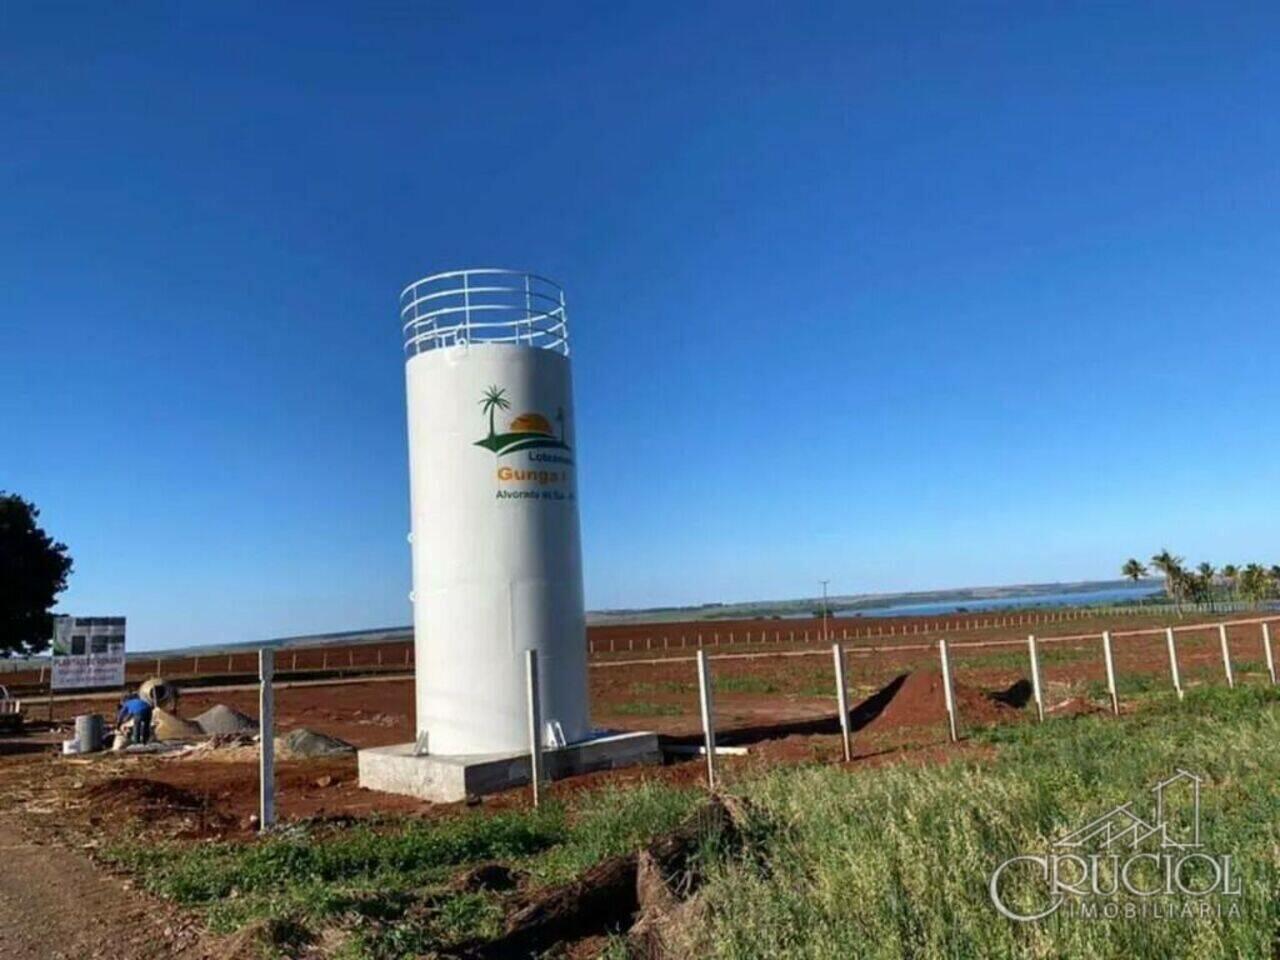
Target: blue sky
(903,296)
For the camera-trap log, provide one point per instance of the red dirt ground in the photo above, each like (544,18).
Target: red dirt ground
(781,705)
(629,640)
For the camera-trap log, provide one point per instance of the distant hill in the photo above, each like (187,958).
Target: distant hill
(803,606)
(849,603)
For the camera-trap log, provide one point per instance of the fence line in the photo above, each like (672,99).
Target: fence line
(956,623)
(300,658)
(921,647)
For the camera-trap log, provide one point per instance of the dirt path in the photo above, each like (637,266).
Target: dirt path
(56,905)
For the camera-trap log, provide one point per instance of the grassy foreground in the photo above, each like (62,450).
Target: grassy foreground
(897,864)
(892,862)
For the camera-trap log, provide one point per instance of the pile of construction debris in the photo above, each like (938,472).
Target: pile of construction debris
(221,728)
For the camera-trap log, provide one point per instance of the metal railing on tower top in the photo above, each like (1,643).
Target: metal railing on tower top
(483,305)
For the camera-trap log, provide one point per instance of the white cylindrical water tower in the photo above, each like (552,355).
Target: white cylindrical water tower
(497,559)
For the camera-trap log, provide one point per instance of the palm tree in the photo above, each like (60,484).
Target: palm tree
(1231,573)
(1207,574)
(495,398)
(1254,584)
(1133,569)
(1175,578)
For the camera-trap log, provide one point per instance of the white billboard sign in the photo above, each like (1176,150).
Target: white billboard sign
(88,652)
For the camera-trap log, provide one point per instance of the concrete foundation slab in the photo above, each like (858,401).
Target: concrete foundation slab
(446,779)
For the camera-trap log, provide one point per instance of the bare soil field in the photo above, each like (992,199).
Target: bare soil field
(780,704)
(627,641)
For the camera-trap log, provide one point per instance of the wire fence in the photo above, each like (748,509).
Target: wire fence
(393,656)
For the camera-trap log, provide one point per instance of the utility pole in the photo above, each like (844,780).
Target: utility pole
(824,609)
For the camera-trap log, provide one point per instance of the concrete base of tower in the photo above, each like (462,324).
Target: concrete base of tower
(446,779)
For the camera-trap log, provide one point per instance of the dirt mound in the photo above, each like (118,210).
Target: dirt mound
(221,719)
(307,743)
(1018,694)
(137,794)
(166,726)
(919,700)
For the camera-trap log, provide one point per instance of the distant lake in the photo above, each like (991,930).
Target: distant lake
(1081,599)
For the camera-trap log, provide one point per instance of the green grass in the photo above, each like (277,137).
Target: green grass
(881,863)
(644,687)
(746,684)
(896,864)
(647,708)
(1018,658)
(384,886)
(1129,686)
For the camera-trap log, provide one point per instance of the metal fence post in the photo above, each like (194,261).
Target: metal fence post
(947,691)
(1035,677)
(842,699)
(1266,649)
(535,722)
(266,741)
(1226,655)
(1111,672)
(1173,661)
(708,717)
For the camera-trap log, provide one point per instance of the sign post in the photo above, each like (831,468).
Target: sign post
(87,652)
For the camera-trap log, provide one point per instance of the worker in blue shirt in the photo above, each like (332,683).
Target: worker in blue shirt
(137,713)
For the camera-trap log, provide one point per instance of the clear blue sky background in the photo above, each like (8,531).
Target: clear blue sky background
(903,296)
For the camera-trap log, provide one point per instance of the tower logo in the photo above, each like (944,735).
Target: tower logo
(527,431)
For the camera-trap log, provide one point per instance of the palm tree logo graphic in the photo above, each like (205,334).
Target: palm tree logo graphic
(495,398)
(527,431)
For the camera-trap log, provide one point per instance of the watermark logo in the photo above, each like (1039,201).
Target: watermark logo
(1121,865)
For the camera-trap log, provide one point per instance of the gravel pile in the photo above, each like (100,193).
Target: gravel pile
(221,719)
(307,743)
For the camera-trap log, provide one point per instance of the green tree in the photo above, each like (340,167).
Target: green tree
(1231,575)
(1133,569)
(495,398)
(33,571)
(1255,584)
(1207,574)
(1175,577)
